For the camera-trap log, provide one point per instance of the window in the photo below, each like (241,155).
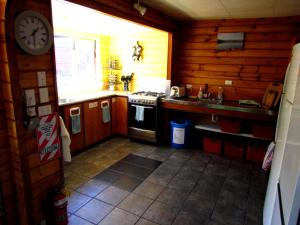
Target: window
(76,64)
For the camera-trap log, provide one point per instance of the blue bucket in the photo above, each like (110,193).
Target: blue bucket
(180,133)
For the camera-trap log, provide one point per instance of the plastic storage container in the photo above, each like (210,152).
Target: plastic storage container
(234,150)
(180,133)
(212,145)
(230,125)
(256,153)
(263,130)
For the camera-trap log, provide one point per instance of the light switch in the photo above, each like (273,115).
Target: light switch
(44,110)
(44,95)
(41,75)
(30,97)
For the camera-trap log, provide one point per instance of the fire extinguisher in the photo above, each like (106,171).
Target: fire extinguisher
(60,209)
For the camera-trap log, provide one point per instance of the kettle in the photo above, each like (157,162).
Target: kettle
(177,92)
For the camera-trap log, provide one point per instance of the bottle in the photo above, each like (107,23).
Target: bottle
(220,94)
(200,93)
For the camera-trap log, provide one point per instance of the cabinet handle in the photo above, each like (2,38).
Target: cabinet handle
(104,104)
(75,111)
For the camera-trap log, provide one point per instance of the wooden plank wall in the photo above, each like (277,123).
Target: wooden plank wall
(7,183)
(263,59)
(34,181)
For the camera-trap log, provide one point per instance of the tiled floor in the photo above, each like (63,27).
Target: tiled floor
(188,188)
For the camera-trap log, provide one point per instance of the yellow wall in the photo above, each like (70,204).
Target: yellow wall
(155,54)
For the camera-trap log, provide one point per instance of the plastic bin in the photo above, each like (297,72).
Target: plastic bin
(180,133)
(230,125)
(212,145)
(263,130)
(256,153)
(234,150)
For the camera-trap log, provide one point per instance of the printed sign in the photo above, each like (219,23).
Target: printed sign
(178,135)
(48,140)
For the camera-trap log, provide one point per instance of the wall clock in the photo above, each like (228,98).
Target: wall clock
(33,32)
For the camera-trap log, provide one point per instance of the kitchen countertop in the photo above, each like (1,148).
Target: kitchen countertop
(225,105)
(90,96)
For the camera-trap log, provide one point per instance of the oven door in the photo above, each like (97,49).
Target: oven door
(147,121)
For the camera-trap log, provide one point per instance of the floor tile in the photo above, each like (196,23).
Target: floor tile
(149,190)
(236,187)
(227,215)
(94,211)
(160,154)
(135,204)
(76,201)
(216,169)
(108,176)
(145,222)
(75,220)
(172,197)
(181,185)
(195,165)
(201,156)
(119,217)
(92,188)
(161,213)
(112,195)
(232,200)
(185,218)
(142,161)
(239,175)
(198,206)
(127,183)
(188,175)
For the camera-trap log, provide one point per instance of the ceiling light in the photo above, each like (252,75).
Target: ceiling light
(141,9)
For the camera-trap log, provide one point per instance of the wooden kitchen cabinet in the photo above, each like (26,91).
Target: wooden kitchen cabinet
(77,139)
(95,129)
(119,107)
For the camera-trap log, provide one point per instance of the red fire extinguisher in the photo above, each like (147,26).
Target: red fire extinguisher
(60,209)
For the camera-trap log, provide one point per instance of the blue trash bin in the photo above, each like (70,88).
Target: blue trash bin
(180,133)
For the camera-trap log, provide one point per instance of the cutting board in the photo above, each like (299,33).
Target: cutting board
(272,95)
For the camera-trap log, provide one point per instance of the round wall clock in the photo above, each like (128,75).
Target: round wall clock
(33,32)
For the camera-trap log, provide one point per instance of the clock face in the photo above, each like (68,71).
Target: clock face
(33,32)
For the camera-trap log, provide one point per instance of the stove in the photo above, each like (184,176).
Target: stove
(143,115)
(145,97)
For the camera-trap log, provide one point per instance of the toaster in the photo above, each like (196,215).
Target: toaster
(177,92)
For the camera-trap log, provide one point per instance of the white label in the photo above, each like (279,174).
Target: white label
(41,75)
(44,95)
(31,111)
(44,110)
(30,97)
(93,105)
(178,135)
(228,82)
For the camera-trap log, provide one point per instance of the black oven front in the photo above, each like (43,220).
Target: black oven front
(142,121)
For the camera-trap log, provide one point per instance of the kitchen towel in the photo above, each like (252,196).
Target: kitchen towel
(75,124)
(105,114)
(139,113)
(65,141)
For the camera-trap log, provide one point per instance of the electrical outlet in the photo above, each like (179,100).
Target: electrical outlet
(228,82)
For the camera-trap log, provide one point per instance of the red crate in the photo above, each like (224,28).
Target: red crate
(263,130)
(256,153)
(212,145)
(230,125)
(233,149)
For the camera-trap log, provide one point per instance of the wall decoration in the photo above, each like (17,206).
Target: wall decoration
(47,137)
(137,52)
(230,41)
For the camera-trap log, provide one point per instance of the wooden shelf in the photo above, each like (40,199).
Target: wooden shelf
(214,127)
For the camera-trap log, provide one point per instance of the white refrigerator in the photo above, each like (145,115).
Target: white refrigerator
(282,200)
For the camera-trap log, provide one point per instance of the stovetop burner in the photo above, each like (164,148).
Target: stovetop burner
(149,93)
(145,97)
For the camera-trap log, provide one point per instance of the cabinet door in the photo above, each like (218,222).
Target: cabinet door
(77,139)
(119,115)
(92,122)
(105,128)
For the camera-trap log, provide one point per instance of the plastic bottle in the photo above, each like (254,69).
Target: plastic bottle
(220,94)
(200,93)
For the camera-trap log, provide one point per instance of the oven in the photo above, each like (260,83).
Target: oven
(143,116)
